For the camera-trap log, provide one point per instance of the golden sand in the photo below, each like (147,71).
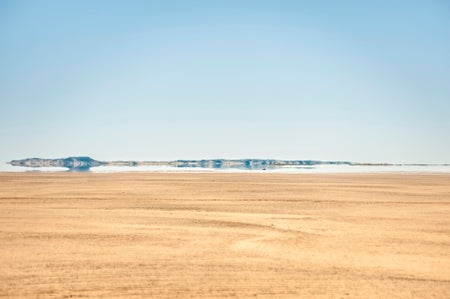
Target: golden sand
(156,235)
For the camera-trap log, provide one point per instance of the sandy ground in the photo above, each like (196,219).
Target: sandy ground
(157,235)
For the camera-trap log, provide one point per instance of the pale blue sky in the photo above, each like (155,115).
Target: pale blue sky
(158,80)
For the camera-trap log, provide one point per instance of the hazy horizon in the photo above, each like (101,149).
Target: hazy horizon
(172,80)
(221,158)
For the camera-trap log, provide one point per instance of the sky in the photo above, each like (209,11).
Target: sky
(365,81)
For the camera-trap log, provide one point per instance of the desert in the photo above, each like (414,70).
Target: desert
(218,235)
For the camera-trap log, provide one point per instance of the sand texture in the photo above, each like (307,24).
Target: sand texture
(162,235)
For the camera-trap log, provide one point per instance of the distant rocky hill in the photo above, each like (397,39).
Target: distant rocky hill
(85,163)
(72,163)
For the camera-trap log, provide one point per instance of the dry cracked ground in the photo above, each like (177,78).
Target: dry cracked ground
(183,235)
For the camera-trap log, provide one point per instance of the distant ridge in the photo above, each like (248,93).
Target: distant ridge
(72,163)
(85,163)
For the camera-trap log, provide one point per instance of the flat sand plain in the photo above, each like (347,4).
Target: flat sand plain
(183,235)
